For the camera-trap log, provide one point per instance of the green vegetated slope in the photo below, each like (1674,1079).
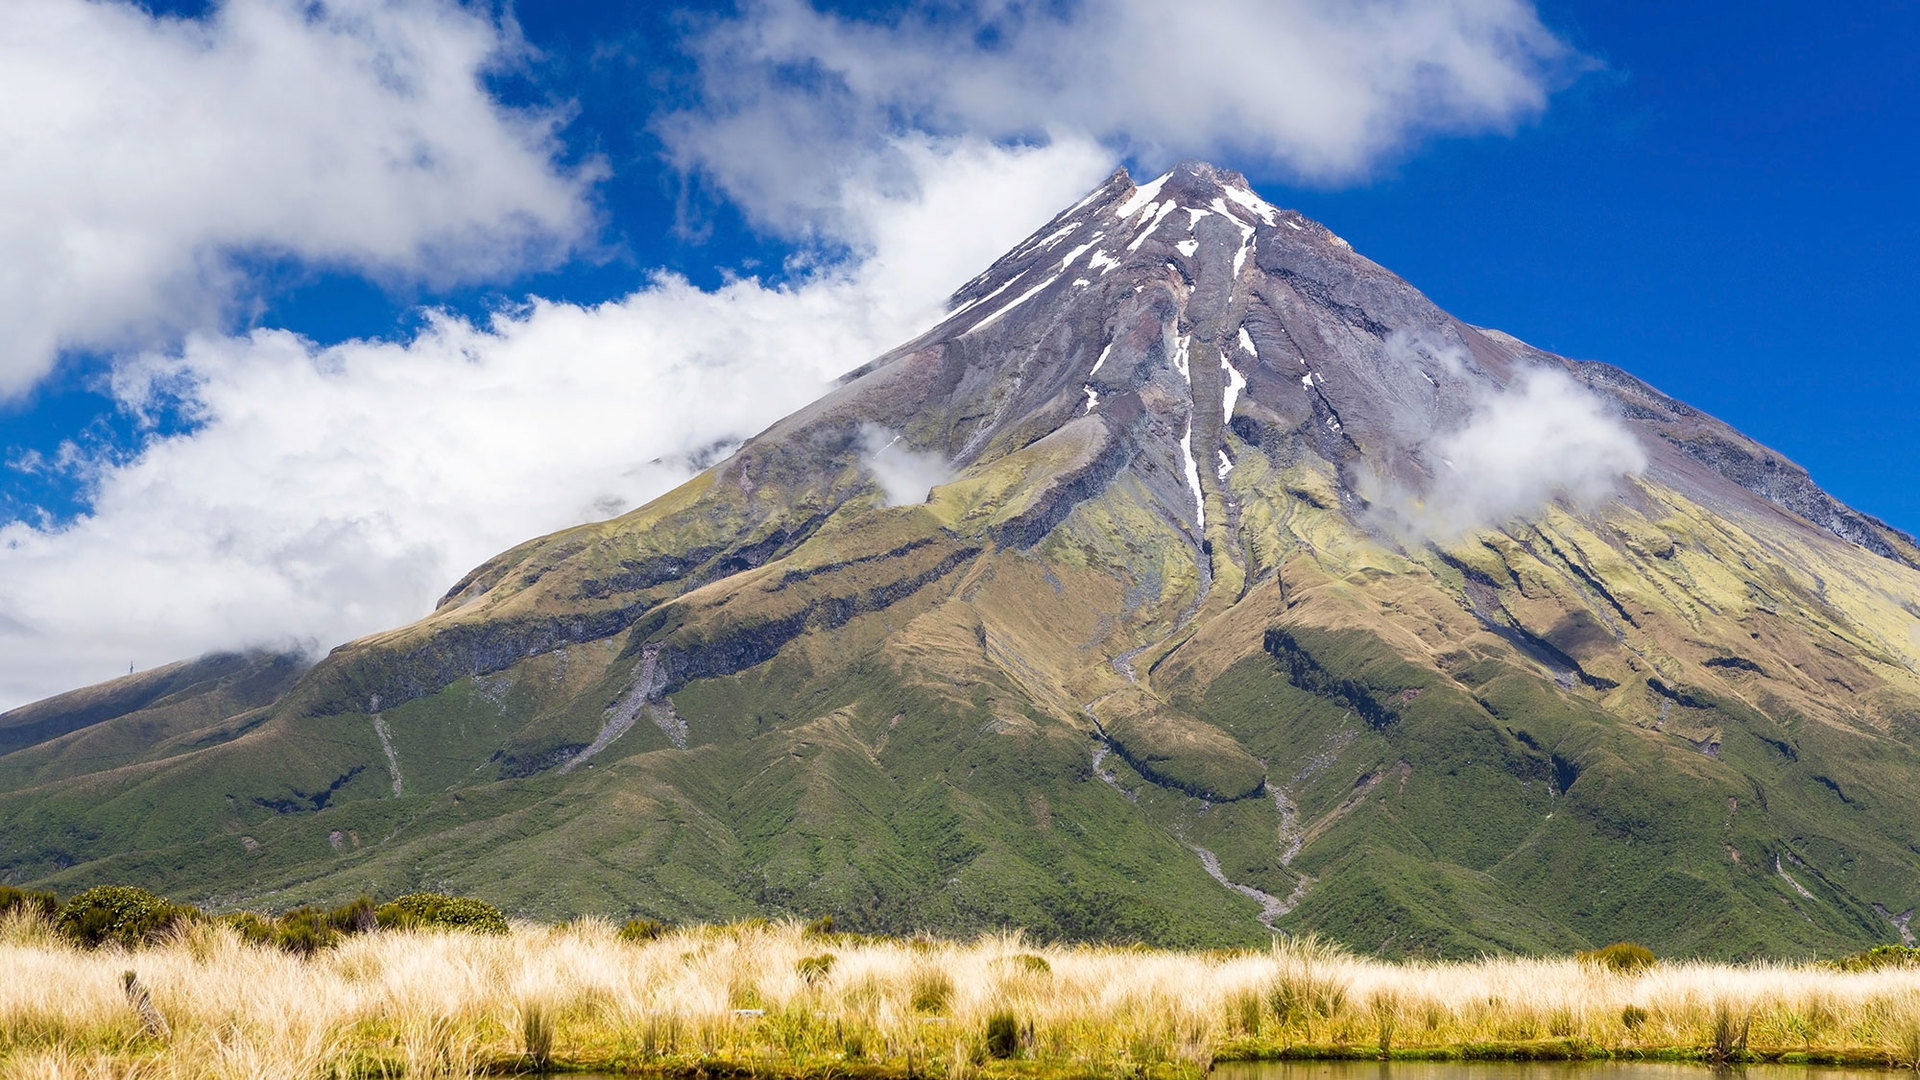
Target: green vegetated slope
(1051,696)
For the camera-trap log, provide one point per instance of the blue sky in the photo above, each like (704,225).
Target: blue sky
(1716,197)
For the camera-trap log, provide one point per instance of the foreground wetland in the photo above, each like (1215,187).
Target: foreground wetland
(783,1000)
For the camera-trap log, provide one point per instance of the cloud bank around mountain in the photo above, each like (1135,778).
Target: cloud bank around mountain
(325,491)
(328,492)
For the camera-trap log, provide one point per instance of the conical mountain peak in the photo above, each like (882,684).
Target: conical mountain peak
(1194,578)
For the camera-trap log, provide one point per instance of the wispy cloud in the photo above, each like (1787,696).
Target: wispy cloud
(905,475)
(1520,447)
(796,100)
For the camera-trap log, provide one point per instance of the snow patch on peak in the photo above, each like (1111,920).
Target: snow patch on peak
(978,300)
(1021,299)
(1192,469)
(1153,223)
(1142,196)
(1254,203)
(1067,260)
(1236,382)
(1188,247)
(1059,234)
(1103,359)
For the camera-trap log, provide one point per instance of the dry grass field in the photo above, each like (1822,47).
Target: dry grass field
(777,1000)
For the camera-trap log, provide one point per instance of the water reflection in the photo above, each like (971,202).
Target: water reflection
(1526,1070)
(1496,1070)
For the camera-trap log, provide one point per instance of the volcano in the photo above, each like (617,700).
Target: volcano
(1194,579)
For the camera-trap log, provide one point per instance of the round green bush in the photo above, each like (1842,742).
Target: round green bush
(304,930)
(438,911)
(641,930)
(1622,957)
(118,915)
(1880,956)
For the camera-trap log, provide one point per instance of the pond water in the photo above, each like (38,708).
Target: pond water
(1526,1070)
(1500,1070)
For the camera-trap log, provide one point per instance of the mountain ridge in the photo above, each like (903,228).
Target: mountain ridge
(1163,653)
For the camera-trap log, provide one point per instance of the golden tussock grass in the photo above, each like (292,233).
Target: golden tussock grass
(776,999)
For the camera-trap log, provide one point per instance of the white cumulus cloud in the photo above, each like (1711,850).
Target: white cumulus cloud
(144,154)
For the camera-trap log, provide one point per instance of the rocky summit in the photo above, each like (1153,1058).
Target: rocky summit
(1194,579)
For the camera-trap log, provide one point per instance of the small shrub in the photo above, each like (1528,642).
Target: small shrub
(253,927)
(304,930)
(1003,1035)
(358,917)
(438,911)
(42,904)
(1633,1017)
(815,969)
(820,927)
(1880,956)
(1621,958)
(641,930)
(119,915)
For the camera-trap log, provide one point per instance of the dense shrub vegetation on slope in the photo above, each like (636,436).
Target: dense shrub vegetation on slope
(129,917)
